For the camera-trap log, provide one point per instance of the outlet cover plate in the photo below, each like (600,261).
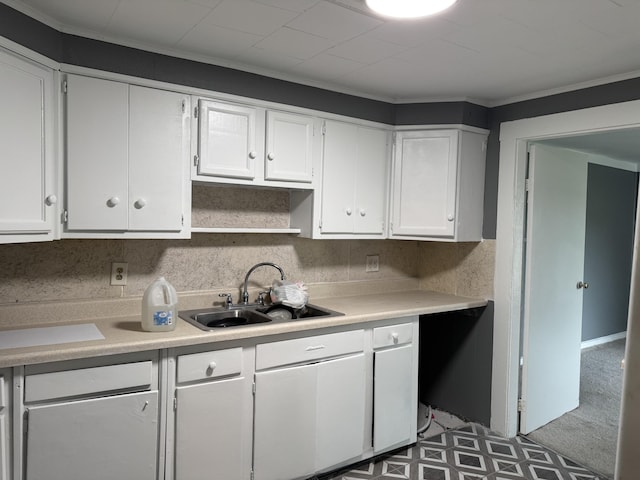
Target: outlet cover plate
(372,263)
(119,272)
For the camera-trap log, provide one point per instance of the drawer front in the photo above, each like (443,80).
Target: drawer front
(206,365)
(392,335)
(87,381)
(306,349)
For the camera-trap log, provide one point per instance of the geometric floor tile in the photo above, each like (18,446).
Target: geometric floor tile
(470,452)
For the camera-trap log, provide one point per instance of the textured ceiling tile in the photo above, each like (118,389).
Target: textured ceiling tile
(365,50)
(294,43)
(250,17)
(331,21)
(217,41)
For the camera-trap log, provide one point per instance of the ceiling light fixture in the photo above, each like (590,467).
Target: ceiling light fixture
(408,8)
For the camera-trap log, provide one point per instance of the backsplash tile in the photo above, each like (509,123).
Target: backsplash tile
(80,269)
(229,207)
(460,268)
(68,269)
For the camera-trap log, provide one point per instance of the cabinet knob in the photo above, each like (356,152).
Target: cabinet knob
(270,156)
(113,201)
(450,217)
(363,212)
(395,337)
(252,154)
(51,200)
(141,202)
(582,284)
(348,211)
(212,366)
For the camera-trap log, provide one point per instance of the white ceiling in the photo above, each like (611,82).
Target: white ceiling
(488,51)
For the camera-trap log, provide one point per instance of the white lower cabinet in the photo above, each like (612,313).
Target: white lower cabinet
(395,385)
(99,421)
(213,416)
(395,393)
(309,417)
(5,424)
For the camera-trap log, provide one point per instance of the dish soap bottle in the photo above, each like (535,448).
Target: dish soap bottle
(159,307)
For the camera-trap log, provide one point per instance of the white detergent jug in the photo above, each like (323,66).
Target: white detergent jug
(159,307)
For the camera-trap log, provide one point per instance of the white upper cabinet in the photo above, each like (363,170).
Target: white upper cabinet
(28,190)
(438,185)
(289,147)
(126,160)
(228,145)
(351,200)
(246,145)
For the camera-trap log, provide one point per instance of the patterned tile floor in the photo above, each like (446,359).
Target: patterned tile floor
(469,452)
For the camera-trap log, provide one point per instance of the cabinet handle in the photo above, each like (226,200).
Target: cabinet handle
(51,200)
(252,155)
(395,337)
(212,366)
(348,211)
(311,348)
(450,217)
(362,212)
(112,202)
(141,202)
(582,284)
(270,156)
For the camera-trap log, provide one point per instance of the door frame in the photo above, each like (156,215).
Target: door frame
(510,234)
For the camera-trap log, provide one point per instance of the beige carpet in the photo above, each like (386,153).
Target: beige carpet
(588,434)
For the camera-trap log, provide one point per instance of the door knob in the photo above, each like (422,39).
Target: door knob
(582,284)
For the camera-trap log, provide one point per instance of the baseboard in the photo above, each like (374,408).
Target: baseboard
(600,340)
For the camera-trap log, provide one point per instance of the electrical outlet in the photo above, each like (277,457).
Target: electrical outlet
(373,263)
(119,273)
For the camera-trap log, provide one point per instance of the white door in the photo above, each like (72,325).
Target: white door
(285,423)
(338,175)
(97,154)
(393,411)
(210,437)
(102,439)
(289,147)
(157,134)
(340,417)
(553,302)
(424,183)
(227,145)
(371,180)
(27,187)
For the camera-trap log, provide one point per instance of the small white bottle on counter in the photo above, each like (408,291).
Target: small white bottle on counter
(159,307)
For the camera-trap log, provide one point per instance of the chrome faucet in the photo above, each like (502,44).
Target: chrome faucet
(245,293)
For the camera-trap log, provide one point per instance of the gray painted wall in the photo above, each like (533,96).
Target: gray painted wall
(611,208)
(455,362)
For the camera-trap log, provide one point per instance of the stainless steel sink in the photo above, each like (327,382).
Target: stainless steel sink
(239,315)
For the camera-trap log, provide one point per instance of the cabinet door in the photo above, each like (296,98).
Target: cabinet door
(101,439)
(424,183)
(157,133)
(289,152)
(227,144)
(285,423)
(392,397)
(27,184)
(4,429)
(338,176)
(97,154)
(340,418)
(210,441)
(371,180)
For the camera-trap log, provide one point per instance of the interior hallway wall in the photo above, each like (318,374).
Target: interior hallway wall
(610,226)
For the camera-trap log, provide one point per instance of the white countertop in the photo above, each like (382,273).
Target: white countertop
(123,333)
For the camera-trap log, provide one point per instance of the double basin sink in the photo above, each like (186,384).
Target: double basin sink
(244,315)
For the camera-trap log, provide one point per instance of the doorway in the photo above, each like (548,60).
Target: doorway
(508,284)
(579,213)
